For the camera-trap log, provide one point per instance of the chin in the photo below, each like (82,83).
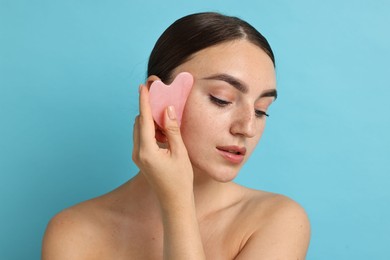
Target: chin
(225,178)
(219,175)
(224,175)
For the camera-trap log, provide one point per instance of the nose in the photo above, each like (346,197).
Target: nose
(244,123)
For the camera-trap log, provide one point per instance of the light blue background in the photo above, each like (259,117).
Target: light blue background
(69,72)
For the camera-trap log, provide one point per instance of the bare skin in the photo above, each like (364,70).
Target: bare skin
(182,204)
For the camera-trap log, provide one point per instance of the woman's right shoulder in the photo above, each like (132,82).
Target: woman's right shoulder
(71,233)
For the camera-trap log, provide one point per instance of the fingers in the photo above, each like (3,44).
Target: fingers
(144,106)
(144,136)
(136,140)
(146,124)
(172,131)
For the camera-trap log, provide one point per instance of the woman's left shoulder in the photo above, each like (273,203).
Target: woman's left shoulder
(273,207)
(276,222)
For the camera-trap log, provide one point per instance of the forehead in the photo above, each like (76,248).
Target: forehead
(240,59)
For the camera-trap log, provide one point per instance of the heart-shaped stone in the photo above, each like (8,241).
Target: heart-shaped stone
(161,96)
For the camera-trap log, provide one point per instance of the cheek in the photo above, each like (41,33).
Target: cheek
(198,124)
(190,124)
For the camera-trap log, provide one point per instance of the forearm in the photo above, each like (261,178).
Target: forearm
(182,238)
(168,170)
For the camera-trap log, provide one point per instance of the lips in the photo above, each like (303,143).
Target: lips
(233,154)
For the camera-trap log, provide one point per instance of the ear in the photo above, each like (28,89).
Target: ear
(151,79)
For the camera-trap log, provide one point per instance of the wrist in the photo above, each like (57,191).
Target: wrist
(177,203)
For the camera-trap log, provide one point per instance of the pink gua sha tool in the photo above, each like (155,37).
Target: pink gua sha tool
(161,96)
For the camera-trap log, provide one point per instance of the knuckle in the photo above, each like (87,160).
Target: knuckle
(134,157)
(136,120)
(143,158)
(173,129)
(141,119)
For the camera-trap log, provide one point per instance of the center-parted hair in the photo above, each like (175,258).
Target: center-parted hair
(195,32)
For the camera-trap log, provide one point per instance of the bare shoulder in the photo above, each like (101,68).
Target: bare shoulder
(280,227)
(276,207)
(71,233)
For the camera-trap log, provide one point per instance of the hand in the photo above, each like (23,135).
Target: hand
(168,170)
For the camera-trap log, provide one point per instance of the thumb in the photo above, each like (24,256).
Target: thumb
(172,130)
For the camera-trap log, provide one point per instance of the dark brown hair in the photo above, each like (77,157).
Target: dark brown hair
(195,32)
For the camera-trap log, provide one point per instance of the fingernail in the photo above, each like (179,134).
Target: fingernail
(171,113)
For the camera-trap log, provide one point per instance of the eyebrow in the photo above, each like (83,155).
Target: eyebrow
(239,85)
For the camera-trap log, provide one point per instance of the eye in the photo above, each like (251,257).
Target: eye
(260,113)
(219,102)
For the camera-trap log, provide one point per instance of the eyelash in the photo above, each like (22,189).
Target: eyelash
(219,102)
(260,113)
(223,103)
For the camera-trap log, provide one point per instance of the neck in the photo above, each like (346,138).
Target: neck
(209,194)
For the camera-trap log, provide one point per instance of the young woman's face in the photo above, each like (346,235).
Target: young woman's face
(224,116)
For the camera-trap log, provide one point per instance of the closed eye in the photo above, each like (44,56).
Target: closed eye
(219,102)
(260,113)
(223,103)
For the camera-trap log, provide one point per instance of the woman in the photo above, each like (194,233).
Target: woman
(182,204)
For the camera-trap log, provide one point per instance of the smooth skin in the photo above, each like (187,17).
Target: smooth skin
(183,203)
